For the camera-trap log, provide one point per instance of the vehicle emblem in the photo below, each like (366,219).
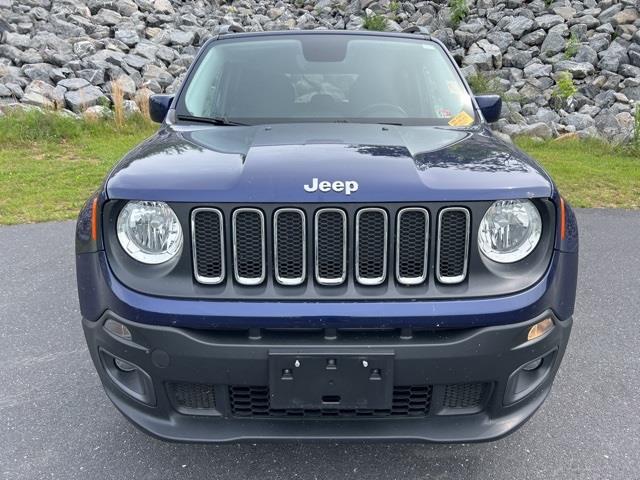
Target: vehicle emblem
(346,186)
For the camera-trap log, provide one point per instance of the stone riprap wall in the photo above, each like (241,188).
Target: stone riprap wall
(66,54)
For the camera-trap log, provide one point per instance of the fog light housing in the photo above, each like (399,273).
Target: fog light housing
(118,329)
(540,329)
(532,365)
(124,366)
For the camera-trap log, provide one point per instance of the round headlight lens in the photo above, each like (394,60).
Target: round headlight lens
(149,232)
(510,230)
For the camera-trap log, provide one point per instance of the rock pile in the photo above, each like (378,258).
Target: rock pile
(561,66)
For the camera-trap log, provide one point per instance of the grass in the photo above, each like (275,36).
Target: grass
(481,84)
(49,165)
(590,173)
(459,11)
(375,22)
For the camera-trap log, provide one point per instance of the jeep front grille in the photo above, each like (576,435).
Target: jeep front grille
(366,246)
(249,246)
(331,246)
(453,245)
(371,246)
(208,245)
(412,247)
(290,246)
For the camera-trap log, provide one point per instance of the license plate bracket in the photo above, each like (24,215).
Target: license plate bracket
(329,380)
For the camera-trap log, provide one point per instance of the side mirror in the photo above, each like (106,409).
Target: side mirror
(159,106)
(490,106)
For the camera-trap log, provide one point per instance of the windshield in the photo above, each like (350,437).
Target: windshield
(335,78)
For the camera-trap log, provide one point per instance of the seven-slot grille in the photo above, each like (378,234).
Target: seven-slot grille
(318,241)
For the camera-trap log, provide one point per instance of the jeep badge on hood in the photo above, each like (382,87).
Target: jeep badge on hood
(347,186)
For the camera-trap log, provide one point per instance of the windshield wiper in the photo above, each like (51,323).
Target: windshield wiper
(212,120)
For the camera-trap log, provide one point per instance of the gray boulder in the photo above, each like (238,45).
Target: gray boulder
(539,129)
(79,100)
(579,70)
(554,43)
(607,15)
(548,21)
(580,121)
(129,37)
(519,26)
(73,83)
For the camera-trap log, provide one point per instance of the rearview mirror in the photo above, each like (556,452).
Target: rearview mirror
(490,106)
(159,106)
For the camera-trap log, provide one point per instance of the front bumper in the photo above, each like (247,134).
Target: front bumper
(465,376)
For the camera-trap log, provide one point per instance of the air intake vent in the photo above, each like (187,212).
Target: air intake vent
(412,246)
(249,246)
(253,401)
(331,246)
(290,247)
(463,395)
(207,236)
(371,246)
(453,245)
(192,396)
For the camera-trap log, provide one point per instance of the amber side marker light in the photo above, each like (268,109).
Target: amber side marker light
(540,329)
(94,220)
(563,220)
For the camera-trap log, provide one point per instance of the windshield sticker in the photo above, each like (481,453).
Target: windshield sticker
(444,113)
(463,119)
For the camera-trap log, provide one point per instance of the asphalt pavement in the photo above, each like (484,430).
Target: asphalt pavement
(56,422)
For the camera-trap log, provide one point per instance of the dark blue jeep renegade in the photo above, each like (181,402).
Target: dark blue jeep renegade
(324,240)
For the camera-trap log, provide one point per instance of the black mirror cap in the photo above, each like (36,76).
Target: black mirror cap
(159,106)
(490,106)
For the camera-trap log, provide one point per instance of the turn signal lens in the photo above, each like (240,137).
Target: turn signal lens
(540,329)
(118,329)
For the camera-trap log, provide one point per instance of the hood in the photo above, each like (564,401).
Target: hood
(260,164)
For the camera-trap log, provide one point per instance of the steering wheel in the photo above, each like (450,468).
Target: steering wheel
(387,107)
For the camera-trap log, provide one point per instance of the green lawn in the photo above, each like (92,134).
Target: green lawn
(590,173)
(48,166)
(48,174)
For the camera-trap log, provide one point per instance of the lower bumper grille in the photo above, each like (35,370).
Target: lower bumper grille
(253,401)
(464,395)
(192,396)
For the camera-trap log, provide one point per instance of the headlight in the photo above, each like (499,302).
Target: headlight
(510,230)
(149,231)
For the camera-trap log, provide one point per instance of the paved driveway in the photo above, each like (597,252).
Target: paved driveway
(57,423)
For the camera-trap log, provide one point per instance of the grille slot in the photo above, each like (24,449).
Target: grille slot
(463,395)
(371,246)
(249,246)
(453,245)
(207,235)
(290,246)
(193,396)
(412,246)
(331,246)
(253,401)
